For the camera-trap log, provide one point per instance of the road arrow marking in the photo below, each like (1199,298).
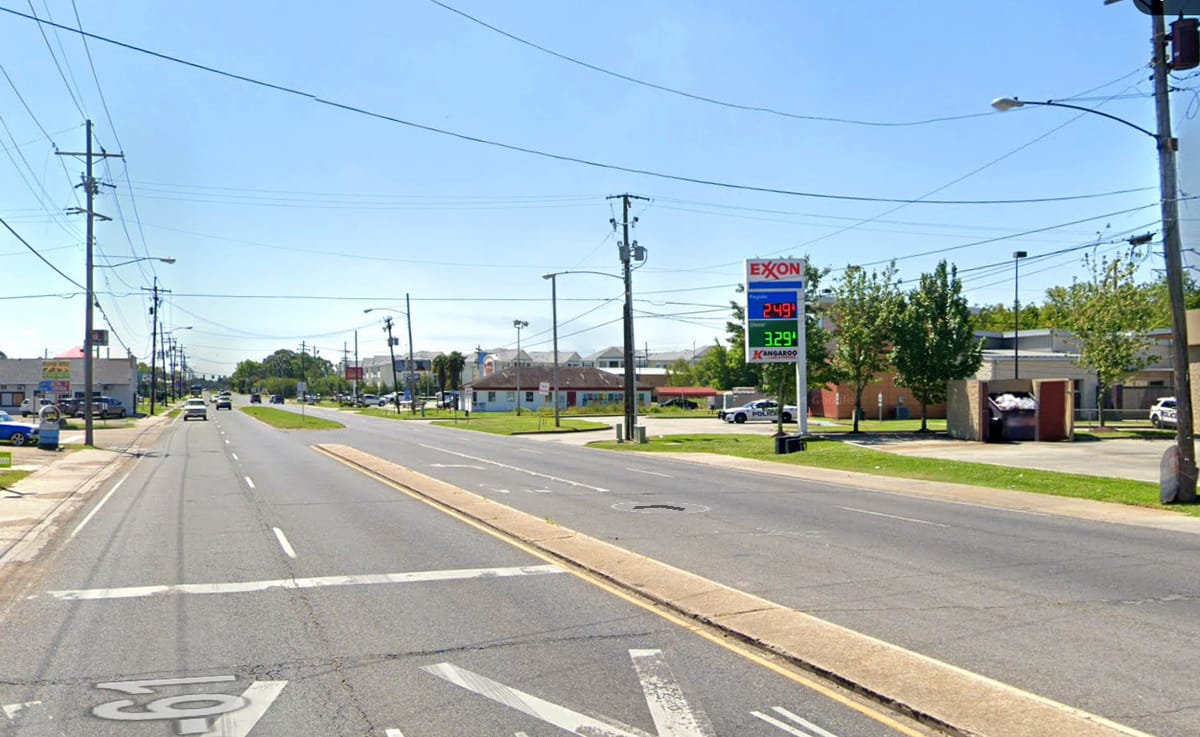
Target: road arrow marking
(498,464)
(11,710)
(672,715)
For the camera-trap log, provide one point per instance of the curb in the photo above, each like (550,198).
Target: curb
(933,692)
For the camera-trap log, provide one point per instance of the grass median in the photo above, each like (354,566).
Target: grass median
(286,420)
(834,454)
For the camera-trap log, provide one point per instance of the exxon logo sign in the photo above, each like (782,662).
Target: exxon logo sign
(769,271)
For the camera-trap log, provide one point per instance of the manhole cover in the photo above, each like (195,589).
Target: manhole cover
(660,507)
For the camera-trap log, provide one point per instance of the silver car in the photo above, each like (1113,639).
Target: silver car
(195,408)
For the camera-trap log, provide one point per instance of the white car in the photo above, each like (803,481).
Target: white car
(370,400)
(195,408)
(763,410)
(1163,412)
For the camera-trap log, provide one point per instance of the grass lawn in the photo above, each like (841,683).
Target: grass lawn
(9,477)
(286,420)
(511,424)
(834,454)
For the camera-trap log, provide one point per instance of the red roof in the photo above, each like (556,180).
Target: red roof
(686,391)
(76,352)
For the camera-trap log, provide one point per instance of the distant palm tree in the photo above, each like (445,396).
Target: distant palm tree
(441,366)
(455,363)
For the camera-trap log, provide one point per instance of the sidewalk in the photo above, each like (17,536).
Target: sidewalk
(61,481)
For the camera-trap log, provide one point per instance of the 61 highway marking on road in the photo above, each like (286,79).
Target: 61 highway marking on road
(235,715)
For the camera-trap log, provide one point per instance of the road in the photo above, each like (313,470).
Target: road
(1100,616)
(237,583)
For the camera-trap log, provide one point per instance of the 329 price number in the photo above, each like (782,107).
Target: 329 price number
(779,339)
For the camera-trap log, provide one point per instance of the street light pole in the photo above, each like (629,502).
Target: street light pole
(1185,448)
(554,321)
(553,277)
(1017,256)
(518,324)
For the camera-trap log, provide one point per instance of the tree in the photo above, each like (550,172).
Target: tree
(454,364)
(863,311)
(713,368)
(932,340)
(1110,316)
(680,373)
(441,370)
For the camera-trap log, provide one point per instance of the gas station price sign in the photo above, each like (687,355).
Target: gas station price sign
(775,310)
(771,306)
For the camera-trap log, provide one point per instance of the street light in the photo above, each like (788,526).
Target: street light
(518,324)
(1168,186)
(163,259)
(1017,256)
(88,426)
(553,277)
(408,369)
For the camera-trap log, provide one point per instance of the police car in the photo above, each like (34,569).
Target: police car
(764,410)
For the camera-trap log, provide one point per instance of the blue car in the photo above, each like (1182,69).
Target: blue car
(15,431)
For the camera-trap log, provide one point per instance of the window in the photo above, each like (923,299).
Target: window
(491,396)
(529,397)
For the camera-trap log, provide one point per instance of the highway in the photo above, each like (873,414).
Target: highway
(1103,617)
(235,582)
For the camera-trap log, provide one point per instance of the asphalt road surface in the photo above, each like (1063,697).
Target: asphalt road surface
(1099,616)
(237,583)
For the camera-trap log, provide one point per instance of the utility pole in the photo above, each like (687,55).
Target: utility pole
(412,393)
(90,188)
(356,363)
(155,304)
(554,321)
(1174,263)
(387,326)
(629,251)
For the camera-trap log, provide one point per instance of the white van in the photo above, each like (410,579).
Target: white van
(27,406)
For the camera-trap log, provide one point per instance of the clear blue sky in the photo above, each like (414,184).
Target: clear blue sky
(289,217)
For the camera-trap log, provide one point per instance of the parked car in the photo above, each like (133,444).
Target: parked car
(105,407)
(70,407)
(195,408)
(370,400)
(224,401)
(1162,413)
(27,406)
(15,431)
(763,410)
(255,399)
(680,402)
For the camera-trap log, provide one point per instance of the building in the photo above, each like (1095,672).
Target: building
(22,378)
(579,386)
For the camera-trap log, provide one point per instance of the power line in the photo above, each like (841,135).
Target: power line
(35,253)
(537,152)
(53,56)
(695,96)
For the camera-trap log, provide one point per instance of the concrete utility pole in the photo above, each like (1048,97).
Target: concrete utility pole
(90,188)
(1171,249)
(155,304)
(629,251)
(412,392)
(387,326)
(518,324)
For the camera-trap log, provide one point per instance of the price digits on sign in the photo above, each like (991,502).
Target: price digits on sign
(779,338)
(779,310)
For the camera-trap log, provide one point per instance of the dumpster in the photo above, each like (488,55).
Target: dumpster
(1014,414)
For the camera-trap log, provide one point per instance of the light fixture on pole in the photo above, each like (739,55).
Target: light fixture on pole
(1017,256)
(1185,448)
(553,277)
(518,324)
(163,259)
(408,368)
